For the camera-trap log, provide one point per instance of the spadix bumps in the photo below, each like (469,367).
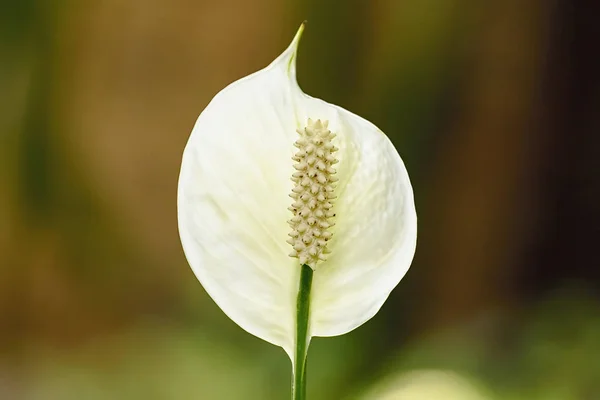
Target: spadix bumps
(313,193)
(351,214)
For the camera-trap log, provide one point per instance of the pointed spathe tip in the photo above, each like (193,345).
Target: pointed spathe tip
(293,47)
(288,57)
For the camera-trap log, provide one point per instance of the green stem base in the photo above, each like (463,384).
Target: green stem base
(302,340)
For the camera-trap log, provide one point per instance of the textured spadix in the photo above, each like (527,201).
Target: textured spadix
(233,209)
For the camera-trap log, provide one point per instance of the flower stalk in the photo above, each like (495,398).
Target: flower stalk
(302,339)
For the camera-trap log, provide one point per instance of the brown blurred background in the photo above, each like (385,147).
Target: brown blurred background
(494,107)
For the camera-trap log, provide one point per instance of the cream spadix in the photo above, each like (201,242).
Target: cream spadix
(272,178)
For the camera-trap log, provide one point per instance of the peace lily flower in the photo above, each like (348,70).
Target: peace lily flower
(296,215)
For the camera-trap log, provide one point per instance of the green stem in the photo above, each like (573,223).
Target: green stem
(302,312)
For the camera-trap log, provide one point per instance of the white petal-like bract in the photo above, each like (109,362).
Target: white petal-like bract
(233,200)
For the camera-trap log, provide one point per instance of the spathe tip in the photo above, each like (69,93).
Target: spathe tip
(288,57)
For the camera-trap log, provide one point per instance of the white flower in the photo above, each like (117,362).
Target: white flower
(350,216)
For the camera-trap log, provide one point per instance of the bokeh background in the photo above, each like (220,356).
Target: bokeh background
(494,107)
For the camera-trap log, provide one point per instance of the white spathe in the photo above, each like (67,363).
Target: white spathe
(233,209)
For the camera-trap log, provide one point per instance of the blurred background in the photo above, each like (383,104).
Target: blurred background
(494,107)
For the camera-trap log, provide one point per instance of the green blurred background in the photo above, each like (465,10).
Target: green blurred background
(494,106)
